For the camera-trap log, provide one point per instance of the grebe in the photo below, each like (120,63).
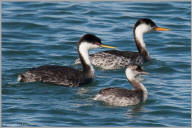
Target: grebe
(114,59)
(123,97)
(63,75)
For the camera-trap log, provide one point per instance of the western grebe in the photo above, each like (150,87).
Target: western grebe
(114,59)
(63,75)
(123,97)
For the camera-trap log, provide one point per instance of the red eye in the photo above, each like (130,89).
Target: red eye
(139,69)
(97,43)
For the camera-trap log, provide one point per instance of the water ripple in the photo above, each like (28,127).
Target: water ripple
(39,33)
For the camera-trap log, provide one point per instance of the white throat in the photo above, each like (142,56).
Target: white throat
(83,49)
(140,31)
(130,74)
(131,77)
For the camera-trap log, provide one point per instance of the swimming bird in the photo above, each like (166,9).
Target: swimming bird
(63,75)
(114,59)
(123,97)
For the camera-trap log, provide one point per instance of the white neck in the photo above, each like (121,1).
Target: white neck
(139,31)
(130,74)
(145,93)
(83,50)
(136,84)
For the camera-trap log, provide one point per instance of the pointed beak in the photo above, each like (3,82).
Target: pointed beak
(106,46)
(144,73)
(161,29)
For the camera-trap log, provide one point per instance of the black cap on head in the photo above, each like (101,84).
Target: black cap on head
(91,38)
(145,21)
(139,69)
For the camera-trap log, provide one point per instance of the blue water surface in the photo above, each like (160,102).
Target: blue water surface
(39,33)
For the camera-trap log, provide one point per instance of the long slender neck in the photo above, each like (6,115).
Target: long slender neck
(137,85)
(87,67)
(138,36)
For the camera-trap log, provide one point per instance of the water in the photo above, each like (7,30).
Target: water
(39,33)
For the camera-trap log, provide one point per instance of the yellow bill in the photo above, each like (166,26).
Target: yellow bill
(106,46)
(144,73)
(161,29)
